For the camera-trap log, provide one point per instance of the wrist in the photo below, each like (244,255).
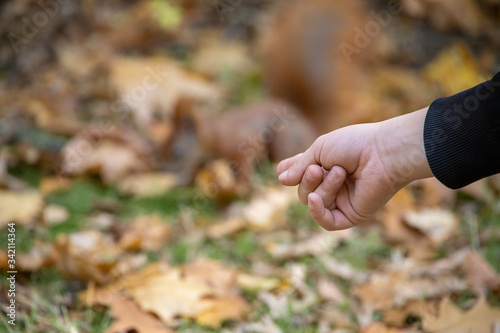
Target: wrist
(403,152)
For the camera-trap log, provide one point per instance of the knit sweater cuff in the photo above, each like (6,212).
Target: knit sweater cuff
(462,135)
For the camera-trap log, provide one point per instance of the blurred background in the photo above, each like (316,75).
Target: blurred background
(138,142)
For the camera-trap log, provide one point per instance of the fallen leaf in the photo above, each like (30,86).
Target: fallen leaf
(220,309)
(221,279)
(198,290)
(464,15)
(50,185)
(389,289)
(110,160)
(145,185)
(398,232)
(217,180)
(268,210)
(19,207)
(147,233)
(455,69)
(315,244)
(39,256)
(128,316)
(226,227)
(54,214)
(378,327)
(482,318)
(437,224)
(329,291)
(149,85)
(479,274)
(88,255)
(251,282)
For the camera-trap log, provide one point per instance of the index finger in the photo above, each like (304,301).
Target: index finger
(292,175)
(286,163)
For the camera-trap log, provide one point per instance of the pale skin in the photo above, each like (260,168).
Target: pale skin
(347,175)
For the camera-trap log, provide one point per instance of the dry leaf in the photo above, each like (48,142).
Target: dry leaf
(221,279)
(226,227)
(437,224)
(147,184)
(454,69)
(329,291)
(39,256)
(146,85)
(108,159)
(50,185)
(268,210)
(217,56)
(464,15)
(380,328)
(398,232)
(128,316)
(389,289)
(19,207)
(450,319)
(145,233)
(88,255)
(217,180)
(54,214)
(197,290)
(220,309)
(315,244)
(479,274)
(250,282)
(171,294)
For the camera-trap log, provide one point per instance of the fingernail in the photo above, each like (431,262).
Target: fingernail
(283,175)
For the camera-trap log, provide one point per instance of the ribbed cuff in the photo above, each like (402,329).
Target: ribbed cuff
(462,135)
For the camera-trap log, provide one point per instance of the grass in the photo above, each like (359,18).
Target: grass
(87,195)
(361,252)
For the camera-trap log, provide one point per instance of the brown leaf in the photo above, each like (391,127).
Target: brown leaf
(378,327)
(398,232)
(455,69)
(226,227)
(147,184)
(220,309)
(147,232)
(108,159)
(147,85)
(88,255)
(437,224)
(267,210)
(450,319)
(479,274)
(41,255)
(385,290)
(329,291)
(54,214)
(128,316)
(19,207)
(203,290)
(49,185)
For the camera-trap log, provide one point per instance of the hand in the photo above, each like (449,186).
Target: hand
(347,175)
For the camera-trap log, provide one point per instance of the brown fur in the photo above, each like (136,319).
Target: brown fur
(242,136)
(304,64)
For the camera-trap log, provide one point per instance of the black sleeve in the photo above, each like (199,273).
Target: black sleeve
(462,135)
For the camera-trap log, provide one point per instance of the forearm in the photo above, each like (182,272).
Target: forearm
(402,147)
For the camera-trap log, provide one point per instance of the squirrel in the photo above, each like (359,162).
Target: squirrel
(314,54)
(272,128)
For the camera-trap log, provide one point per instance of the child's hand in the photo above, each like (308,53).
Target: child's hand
(367,165)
